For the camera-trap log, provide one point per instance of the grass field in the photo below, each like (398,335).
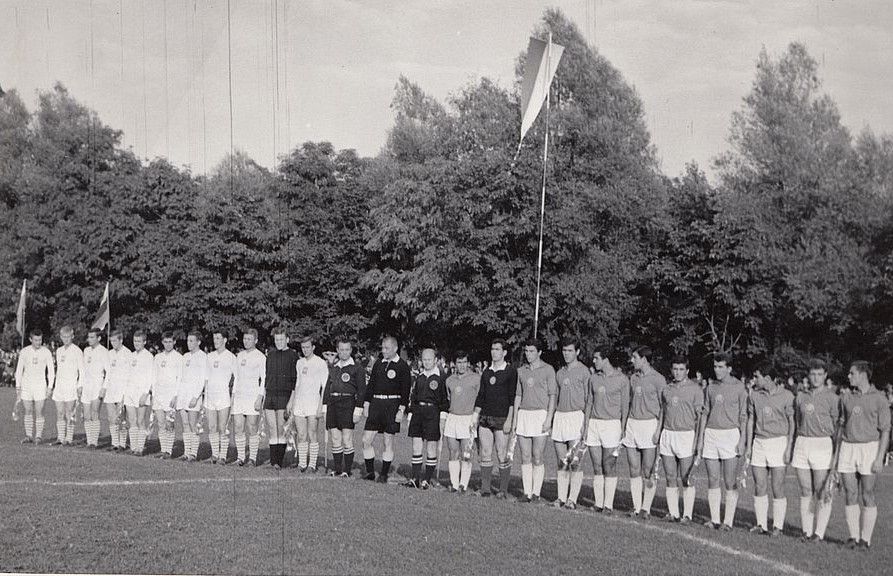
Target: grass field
(75,510)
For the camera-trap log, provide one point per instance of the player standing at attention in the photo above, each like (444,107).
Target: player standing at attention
(387,396)
(221,368)
(864,435)
(567,427)
(462,390)
(723,439)
(428,406)
(816,412)
(280,386)
(113,388)
(189,395)
(643,429)
(168,370)
(770,441)
(96,363)
(683,420)
(343,406)
(34,377)
(494,417)
(248,397)
(69,372)
(306,403)
(607,409)
(141,376)
(535,407)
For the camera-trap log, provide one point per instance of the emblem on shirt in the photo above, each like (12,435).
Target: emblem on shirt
(345,377)
(674,401)
(163,363)
(133,363)
(392,374)
(34,361)
(638,390)
(433,384)
(601,390)
(216,363)
(458,389)
(810,408)
(492,379)
(61,359)
(767,410)
(89,359)
(567,381)
(244,362)
(187,362)
(115,363)
(530,381)
(857,410)
(719,399)
(304,370)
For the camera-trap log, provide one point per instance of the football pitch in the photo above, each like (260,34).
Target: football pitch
(78,510)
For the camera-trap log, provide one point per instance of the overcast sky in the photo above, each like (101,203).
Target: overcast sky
(326,70)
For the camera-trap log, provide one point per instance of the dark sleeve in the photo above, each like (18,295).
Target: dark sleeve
(361,385)
(405,383)
(269,371)
(479,401)
(328,388)
(512,388)
(367,394)
(444,403)
(413,394)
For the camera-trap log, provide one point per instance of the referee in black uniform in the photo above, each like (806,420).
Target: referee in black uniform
(428,406)
(343,405)
(280,383)
(386,398)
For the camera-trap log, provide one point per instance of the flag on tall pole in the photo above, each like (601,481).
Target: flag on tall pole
(539,70)
(20,312)
(102,315)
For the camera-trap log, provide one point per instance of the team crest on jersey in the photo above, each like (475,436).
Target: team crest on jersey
(244,362)
(567,381)
(34,361)
(458,389)
(857,410)
(345,377)
(530,381)
(638,390)
(61,359)
(187,362)
(163,363)
(216,363)
(133,363)
(304,370)
(767,410)
(89,360)
(719,399)
(492,379)
(601,390)
(675,401)
(392,374)
(115,363)
(810,408)
(433,384)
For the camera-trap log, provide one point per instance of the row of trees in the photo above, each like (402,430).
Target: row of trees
(787,256)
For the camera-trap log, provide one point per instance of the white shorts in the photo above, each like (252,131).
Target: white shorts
(605,433)
(813,453)
(458,427)
(530,423)
(857,458)
(567,426)
(34,392)
(65,392)
(305,410)
(244,405)
(721,444)
(769,452)
(640,433)
(183,403)
(131,397)
(90,392)
(114,394)
(677,443)
(217,401)
(162,402)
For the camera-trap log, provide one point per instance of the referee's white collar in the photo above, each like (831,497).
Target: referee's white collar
(432,372)
(342,363)
(493,367)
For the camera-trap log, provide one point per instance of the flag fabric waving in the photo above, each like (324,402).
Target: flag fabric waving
(102,315)
(20,312)
(539,69)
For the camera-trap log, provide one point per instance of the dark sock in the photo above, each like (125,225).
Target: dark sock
(280,453)
(429,472)
(348,461)
(486,475)
(505,473)
(385,467)
(336,459)
(417,467)
(370,465)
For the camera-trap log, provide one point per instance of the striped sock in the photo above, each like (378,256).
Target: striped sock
(417,461)
(61,428)
(214,439)
(430,468)
(303,448)
(29,426)
(348,460)
(39,428)
(253,445)
(195,443)
(69,431)
(314,454)
(240,446)
(167,441)
(337,459)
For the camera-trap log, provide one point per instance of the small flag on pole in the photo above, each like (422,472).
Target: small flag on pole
(539,69)
(20,312)
(102,315)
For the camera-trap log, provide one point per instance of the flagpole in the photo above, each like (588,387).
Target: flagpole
(108,327)
(24,314)
(539,262)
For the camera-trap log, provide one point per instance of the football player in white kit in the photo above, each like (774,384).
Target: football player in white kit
(221,367)
(112,393)
(189,395)
(69,372)
(305,404)
(168,370)
(136,392)
(248,397)
(34,377)
(96,363)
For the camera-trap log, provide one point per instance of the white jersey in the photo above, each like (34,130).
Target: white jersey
(312,375)
(35,367)
(96,364)
(251,372)
(195,372)
(221,367)
(168,369)
(69,366)
(141,376)
(118,373)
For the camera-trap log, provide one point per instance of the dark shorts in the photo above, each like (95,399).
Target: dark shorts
(339,413)
(274,401)
(425,423)
(382,415)
(495,423)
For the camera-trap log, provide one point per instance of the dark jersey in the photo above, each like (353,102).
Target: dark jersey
(390,378)
(281,373)
(497,392)
(430,389)
(350,379)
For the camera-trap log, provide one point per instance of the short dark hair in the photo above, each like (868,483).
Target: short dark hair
(766,369)
(679,359)
(36,332)
(195,332)
(67,329)
(535,342)
(499,341)
(570,341)
(277,331)
(723,357)
(392,338)
(220,331)
(139,333)
(96,331)
(252,331)
(817,364)
(117,333)
(306,339)
(863,367)
(167,334)
(643,352)
(602,350)
(343,340)
(460,354)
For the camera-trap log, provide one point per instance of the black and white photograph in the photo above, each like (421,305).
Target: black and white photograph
(446,287)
